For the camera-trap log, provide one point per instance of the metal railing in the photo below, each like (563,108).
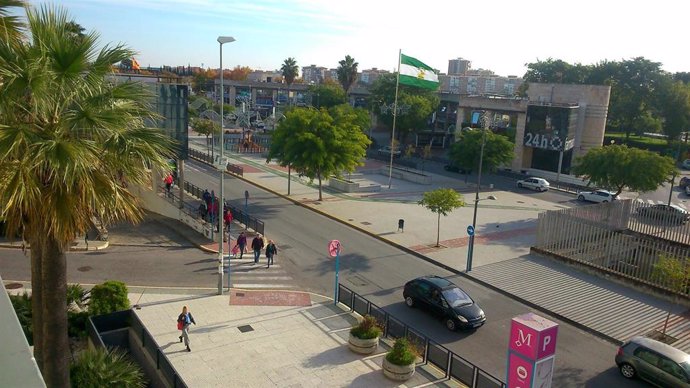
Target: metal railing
(452,365)
(206,158)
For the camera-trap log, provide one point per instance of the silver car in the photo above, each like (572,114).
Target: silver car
(538,184)
(654,361)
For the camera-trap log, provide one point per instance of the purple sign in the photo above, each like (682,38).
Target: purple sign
(519,372)
(533,336)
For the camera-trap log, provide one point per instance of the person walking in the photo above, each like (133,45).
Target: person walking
(184,320)
(242,243)
(257,246)
(227,219)
(168,180)
(271,250)
(206,196)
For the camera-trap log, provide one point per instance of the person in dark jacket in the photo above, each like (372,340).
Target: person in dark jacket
(271,250)
(242,243)
(257,246)
(185,320)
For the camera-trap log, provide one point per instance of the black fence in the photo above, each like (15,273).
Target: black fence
(245,219)
(208,159)
(125,329)
(454,366)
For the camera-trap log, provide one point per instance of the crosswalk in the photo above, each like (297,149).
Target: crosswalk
(244,274)
(658,202)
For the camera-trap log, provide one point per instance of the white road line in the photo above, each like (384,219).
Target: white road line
(257,285)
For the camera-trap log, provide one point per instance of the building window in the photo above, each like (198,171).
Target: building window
(472,85)
(489,84)
(454,82)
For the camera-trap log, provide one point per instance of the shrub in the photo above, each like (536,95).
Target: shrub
(96,368)
(367,328)
(108,297)
(76,323)
(76,296)
(402,353)
(22,307)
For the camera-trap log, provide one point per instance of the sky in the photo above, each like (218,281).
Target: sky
(500,35)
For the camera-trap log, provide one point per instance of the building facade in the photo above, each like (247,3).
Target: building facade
(458,66)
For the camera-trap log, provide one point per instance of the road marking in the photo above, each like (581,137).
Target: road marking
(260,285)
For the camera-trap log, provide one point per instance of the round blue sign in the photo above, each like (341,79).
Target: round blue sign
(470,230)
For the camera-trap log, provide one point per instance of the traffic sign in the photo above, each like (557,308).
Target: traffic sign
(334,248)
(470,230)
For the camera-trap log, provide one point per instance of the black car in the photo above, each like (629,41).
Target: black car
(454,168)
(684,182)
(445,300)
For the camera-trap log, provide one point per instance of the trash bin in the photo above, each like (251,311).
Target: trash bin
(401,224)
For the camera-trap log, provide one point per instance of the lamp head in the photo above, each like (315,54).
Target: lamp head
(225,39)
(492,197)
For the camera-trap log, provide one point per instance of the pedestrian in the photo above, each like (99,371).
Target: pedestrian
(257,246)
(271,250)
(184,320)
(168,180)
(227,218)
(242,243)
(86,239)
(206,196)
(202,210)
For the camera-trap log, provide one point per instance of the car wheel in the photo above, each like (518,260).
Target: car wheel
(604,201)
(409,302)
(519,185)
(450,324)
(628,371)
(581,198)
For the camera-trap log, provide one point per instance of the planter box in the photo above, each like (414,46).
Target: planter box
(362,346)
(398,372)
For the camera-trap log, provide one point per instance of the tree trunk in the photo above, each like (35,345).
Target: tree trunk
(438,230)
(55,339)
(320,197)
(36,298)
(289,178)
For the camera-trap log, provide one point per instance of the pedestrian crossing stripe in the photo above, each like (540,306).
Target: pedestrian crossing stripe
(246,274)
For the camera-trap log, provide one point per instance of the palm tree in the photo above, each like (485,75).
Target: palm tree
(290,72)
(347,72)
(11,27)
(71,144)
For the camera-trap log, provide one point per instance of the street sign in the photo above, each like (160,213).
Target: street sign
(334,248)
(246,194)
(470,230)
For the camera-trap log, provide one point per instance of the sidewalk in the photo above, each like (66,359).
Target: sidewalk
(505,231)
(239,340)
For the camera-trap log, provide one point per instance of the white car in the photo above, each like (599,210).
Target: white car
(386,151)
(686,164)
(538,184)
(597,196)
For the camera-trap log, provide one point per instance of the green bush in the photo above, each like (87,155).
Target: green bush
(76,323)
(402,353)
(22,307)
(108,297)
(97,368)
(77,296)
(368,328)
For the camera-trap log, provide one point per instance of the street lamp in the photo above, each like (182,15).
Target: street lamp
(221,41)
(470,249)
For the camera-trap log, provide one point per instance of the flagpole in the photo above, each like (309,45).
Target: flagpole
(395,115)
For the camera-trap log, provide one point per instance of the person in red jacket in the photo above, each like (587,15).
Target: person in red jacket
(185,320)
(168,180)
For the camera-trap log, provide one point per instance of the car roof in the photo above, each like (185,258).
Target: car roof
(437,281)
(669,351)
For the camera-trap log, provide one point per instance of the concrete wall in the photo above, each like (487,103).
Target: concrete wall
(156,203)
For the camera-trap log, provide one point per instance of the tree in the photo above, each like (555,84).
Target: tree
(206,127)
(290,72)
(616,167)
(327,95)
(419,104)
(239,73)
(320,144)
(498,150)
(441,202)
(71,144)
(675,107)
(673,273)
(11,26)
(556,71)
(347,72)
(203,80)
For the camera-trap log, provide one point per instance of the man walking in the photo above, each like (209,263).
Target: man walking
(184,320)
(271,250)
(257,246)
(168,180)
(242,243)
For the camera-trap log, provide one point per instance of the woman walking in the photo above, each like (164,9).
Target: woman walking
(184,320)
(271,250)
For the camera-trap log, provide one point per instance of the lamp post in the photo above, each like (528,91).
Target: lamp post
(222,40)
(470,248)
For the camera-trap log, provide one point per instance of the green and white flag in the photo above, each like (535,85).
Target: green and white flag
(415,73)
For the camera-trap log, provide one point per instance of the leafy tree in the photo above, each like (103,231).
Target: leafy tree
(498,150)
(239,73)
(420,104)
(683,77)
(318,144)
(206,127)
(76,30)
(203,80)
(96,368)
(72,142)
(673,273)
(675,107)
(441,202)
(290,71)
(556,71)
(327,95)
(347,72)
(11,25)
(616,167)
(108,297)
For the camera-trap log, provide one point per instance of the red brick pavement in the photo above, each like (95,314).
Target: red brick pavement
(482,239)
(269,298)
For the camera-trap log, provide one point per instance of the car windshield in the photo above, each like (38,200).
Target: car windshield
(686,367)
(456,297)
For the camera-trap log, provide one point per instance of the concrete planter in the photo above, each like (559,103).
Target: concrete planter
(362,346)
(398,372)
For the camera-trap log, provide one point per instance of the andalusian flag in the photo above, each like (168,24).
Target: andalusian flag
(416,73)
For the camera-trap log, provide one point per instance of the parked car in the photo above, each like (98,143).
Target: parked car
(654,361)
(684,182)
(598,196)
(539,184)
(454,168)
(686,164)
(687,190)
(665,213)
(387,151)
(445,300)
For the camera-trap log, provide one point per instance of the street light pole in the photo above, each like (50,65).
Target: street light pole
(222,40)
(470,249)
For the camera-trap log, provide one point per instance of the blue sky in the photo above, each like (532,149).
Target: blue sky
(501,35)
